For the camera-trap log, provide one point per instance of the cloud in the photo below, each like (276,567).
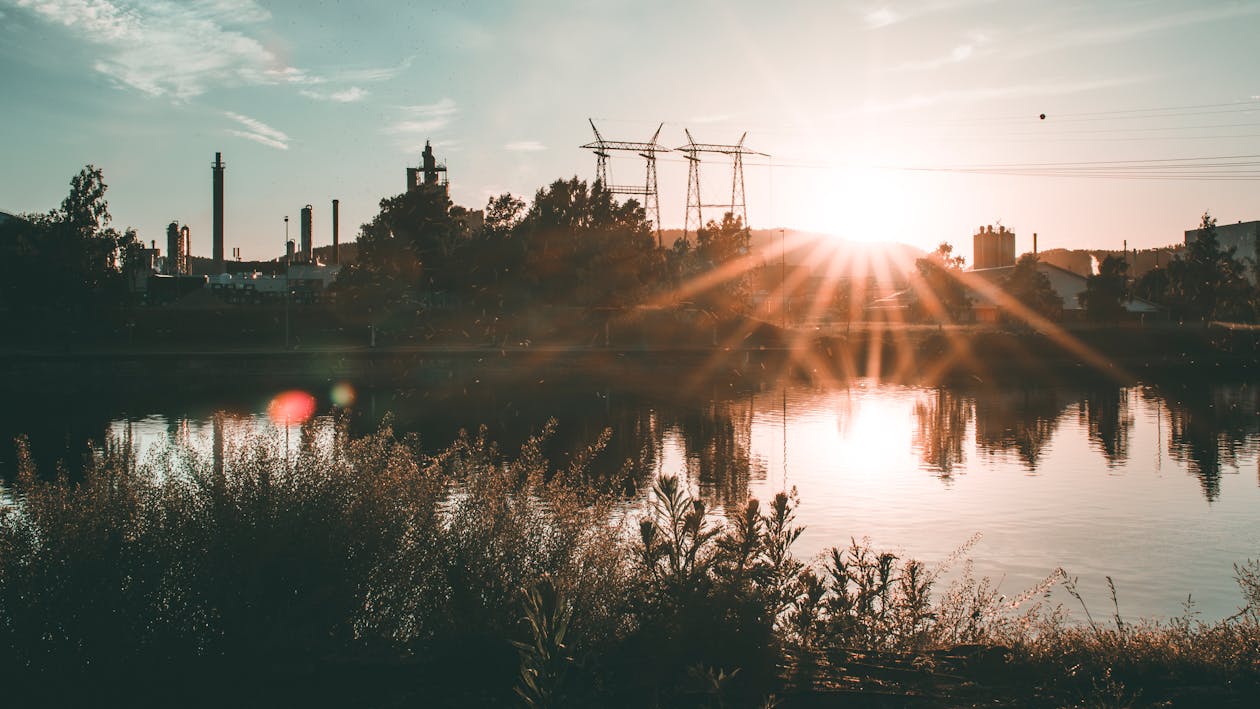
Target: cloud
(881,17)
(350,95)
(1114,34)
(423,118)
(983,93)
(168,48)
(445,107)
(372,74)
(884,15)
(183,48)
(524,146)
(973,47)
(258,131)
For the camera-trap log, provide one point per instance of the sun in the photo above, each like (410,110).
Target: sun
(862,204)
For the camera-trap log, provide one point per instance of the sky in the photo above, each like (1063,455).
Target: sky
(883,121)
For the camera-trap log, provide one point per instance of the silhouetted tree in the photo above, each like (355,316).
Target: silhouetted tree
(941,294)
(1209,282)
(1106,291)
(582,247)
(1028,285)
(716,245)
(65,261)
(406,252)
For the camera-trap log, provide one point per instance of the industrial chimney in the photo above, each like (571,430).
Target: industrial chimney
(172,249)
(307,216)
(336,225)
(217,236)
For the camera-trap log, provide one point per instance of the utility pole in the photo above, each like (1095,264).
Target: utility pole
(783,279)
(286,303)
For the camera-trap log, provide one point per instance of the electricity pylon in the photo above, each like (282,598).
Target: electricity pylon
(696,205)
(649,192)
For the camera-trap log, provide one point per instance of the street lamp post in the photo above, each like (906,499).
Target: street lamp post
(286,289)
(782,280)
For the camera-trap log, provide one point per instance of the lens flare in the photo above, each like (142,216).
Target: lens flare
(342,394)
(291,407)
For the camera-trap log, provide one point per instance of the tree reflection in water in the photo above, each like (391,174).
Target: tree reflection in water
(1022,420)
(1106,415)
(1209,427)
(716,442)
(942,419)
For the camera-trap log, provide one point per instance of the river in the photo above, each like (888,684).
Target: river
(1153,483)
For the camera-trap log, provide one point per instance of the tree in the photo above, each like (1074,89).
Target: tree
(1106,291)
(582,247)
(940,292)
(1209,283)
(67,259)
(718,244)
(406,251)
(1028,285)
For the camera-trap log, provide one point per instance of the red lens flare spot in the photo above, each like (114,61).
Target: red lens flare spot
(291,407)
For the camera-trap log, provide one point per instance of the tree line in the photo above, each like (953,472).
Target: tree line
(573,245)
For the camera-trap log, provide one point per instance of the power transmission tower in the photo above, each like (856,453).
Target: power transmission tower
(695,204)
(649,192)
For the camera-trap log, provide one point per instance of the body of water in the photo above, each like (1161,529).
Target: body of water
(1155,484)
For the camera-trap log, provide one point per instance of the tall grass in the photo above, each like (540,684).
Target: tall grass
(365,572)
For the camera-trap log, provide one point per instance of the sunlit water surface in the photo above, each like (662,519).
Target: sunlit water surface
(1155,488)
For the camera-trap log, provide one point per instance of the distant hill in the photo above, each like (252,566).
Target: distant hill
(1083,261)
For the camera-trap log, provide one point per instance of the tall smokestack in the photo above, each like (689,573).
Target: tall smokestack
(172,249)
(307,217)
(217,236)
(1034,243)
(336,225)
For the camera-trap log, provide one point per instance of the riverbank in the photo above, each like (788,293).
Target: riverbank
(925,354)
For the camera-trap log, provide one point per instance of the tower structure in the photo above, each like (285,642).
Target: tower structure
(216,253)
(336,225)
(431,173)
(178,243)
(695,203)
(647,150)
(993,249)
(308,213)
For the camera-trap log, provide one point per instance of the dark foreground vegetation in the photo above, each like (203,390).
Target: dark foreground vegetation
(364,572)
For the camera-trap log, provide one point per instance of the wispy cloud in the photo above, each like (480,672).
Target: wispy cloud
(524,146)
(919,101)
(372,74)
(975,46)
(350,95)
(183,48)
(881,17)
(423,118)
(886,14)
(1122,32)
(258,131)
